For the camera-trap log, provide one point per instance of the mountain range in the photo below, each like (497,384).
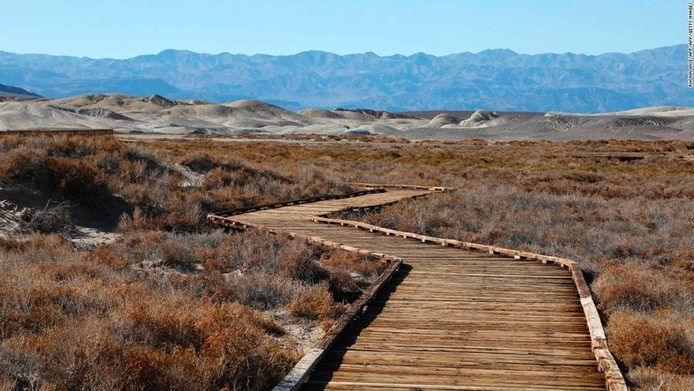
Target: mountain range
(494,79)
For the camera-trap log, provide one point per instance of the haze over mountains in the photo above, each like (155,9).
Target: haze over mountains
(493,79)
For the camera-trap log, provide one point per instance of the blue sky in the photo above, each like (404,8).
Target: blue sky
(125,28)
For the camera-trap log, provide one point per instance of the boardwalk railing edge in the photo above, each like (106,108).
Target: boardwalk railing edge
(614,379)
(398,186)
(275,205)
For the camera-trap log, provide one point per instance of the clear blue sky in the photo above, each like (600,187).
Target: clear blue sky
(125,28)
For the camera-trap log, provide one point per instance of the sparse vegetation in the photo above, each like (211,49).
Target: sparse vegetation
(158,310)
(141,310)
(170,304)
(622,209)
(105,175)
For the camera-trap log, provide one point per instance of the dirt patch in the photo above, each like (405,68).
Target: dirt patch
(304,331)
(19,203)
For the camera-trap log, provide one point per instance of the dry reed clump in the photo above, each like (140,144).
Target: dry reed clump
(314,303)
(350,273)
(73,179)
(659,340)
(650,322)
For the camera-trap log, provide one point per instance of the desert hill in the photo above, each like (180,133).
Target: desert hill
(160,114)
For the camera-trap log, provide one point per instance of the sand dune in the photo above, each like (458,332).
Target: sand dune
(28,115)
(260,110)
(441,120)
(479,118)
(320,113)
(158,114)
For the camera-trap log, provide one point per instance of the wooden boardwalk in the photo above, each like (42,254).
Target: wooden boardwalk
(448,317)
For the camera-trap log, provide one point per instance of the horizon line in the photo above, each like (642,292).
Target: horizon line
(341,55)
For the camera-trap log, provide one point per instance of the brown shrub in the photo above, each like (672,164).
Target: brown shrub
(200,162)
(368,268)
(315,303)
(643,341)
(51,219)
(652,379)
(76,180)
(90,171)
(72,321)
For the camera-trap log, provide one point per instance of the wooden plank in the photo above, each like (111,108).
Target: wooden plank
(227,213)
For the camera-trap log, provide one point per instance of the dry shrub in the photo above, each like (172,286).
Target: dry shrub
(51,219)
(350,273)
(262,291)
(314,303)
(260,270)
(92,172)
(343,285)
(649,379)
(73,179)
(623,287)
(200,162)
(35,248)
(70,322)
(364,266)
(658,341)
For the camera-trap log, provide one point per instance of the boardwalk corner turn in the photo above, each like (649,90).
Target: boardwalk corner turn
(466,317)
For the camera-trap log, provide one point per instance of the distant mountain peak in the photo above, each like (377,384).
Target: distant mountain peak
(170,52)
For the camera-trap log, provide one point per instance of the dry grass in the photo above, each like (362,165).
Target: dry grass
(53,218)
(141,310)
(71,323)
(103,173)
(171,304)
(158,310)
(628,222)
(620,208)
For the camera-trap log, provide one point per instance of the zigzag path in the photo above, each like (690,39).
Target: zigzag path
(447,318)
